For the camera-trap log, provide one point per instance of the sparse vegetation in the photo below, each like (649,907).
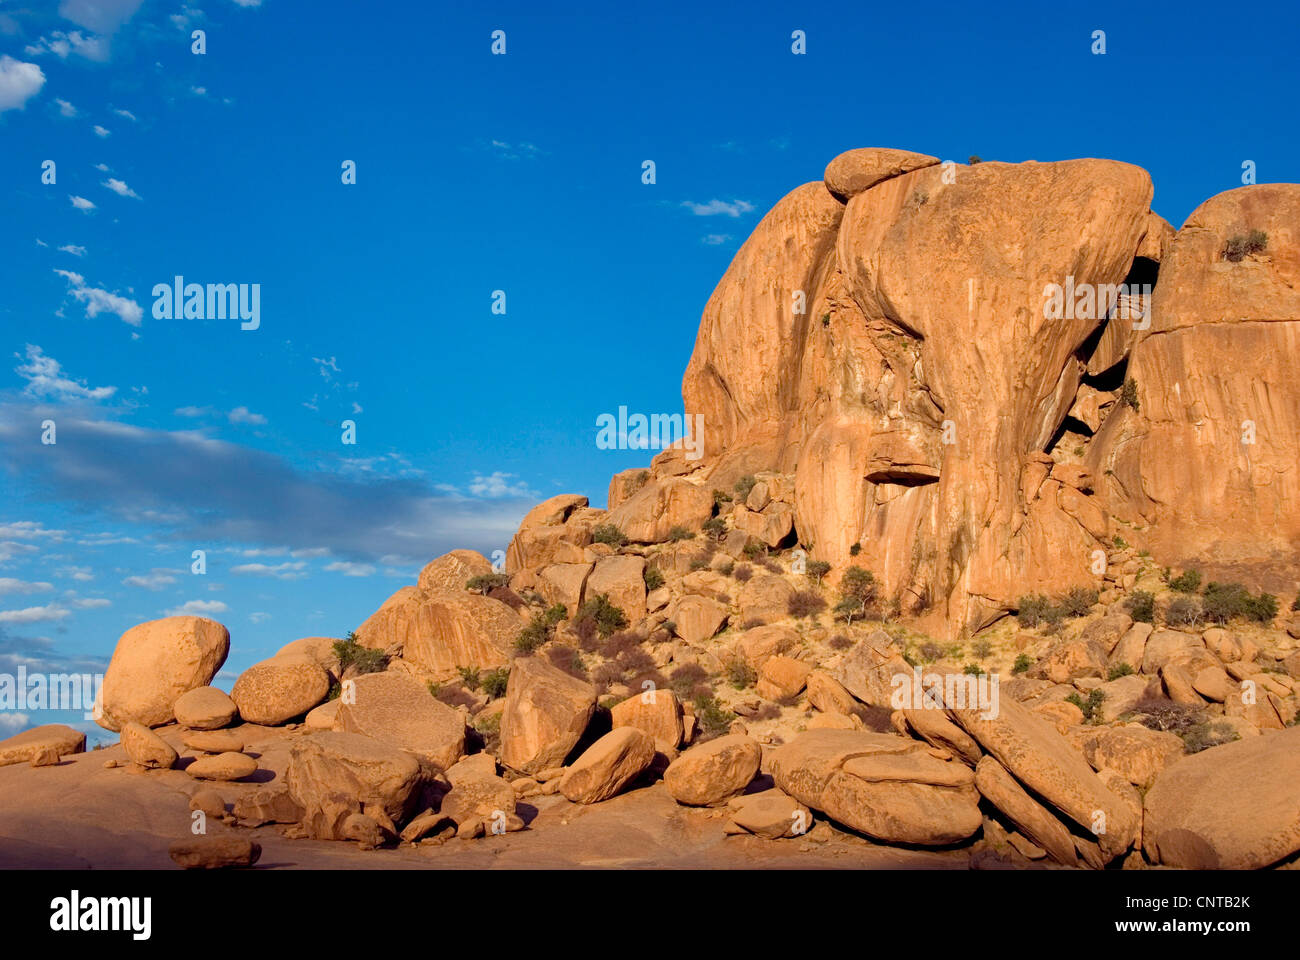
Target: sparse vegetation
(1228,601)
(568,659)
(743,572)
(494,682)
(469,676)
(1031,610)
(540,629)
(720,497)
(679,533)
(1128,395)
(857,592)
(653,578)
(1183,612)
(744,485)
(608,533)
(982,648)
(689,681)
(1119,670)
(1079,601)
(361,659)
(1239,246)
(1142,606)
(805,603)
(1091,707)
(714,718)
(817,569)
(855,550)
(486,582)
(606,617)
(740,674)
(715,528)
(1189,581)
(1023,662)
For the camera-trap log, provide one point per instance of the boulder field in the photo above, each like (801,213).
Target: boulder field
(988,559)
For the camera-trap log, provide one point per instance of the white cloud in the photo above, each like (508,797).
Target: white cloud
(66,109)
(45,378)
(715,207)
(19,82)
(10,585)
(119,187)
(259,617)
(99,301)
(102,167)
(80,574)
(73,249)
(289,570)
(199,91)
(497,484)
(244,415)
(154,580)
(92,603)
(34,614)
(30,530)
(193,607)
(81,203)
(11,723)
(248,3)
(350,569)
(715,239)
(100,131)
(127,114)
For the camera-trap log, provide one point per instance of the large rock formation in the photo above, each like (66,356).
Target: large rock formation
(937,354)
(154,663)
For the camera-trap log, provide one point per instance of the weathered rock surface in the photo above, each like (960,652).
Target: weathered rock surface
(608,765)
(214,853)
(205,708)
(277,690)
(545,715)
(22,747)
(146,748)
(854,171)
(1233,807)
(399,711)
(1048,765)
(884,786)
(443,630)
(713,771)
(657,713)
(333,775)
(222,766)
(154,663)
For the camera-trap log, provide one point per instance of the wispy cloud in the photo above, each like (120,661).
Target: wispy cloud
(34,614)
(101,132)
(98,300)
(289,570)
(715,239)
(154,580)
(46,380)
(66,109)
(73,249)
(81,203)
(120,188)
(197,607)
(715,207)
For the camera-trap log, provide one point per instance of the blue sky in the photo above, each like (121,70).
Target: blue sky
(475,173)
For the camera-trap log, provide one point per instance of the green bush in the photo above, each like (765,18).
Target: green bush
(1032,610)
(1091,707)
(494,682)
(855,550)
(470,677)
(859,586)
(1189,581)
(653,578)
(1128,395)
(679,533)
(744,485)
(817,569)
(754,549)
(982,648)
(608,533)
(1227,601)
(1119,670)
(363,659)
(720,497)
(974,669)
(604,614)
(715,528)
(714,718)
(1142,606)
(487,582)
(1023,662)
